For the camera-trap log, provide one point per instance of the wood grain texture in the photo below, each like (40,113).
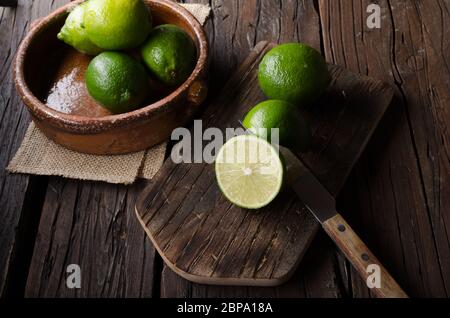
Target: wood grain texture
(19,195)
(361,257)
(396,197)
(206,239)
(92,225)
(316,278)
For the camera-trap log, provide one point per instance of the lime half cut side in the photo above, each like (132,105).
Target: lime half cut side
(249,171)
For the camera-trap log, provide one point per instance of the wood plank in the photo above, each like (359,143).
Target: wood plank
(396,194)
(20,195)
(93,225)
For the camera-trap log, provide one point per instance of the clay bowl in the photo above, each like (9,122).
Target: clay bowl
(49,77)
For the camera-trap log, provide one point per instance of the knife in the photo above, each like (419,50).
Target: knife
(323,206)
(319,201)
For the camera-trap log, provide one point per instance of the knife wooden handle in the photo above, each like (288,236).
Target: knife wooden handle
(361,257)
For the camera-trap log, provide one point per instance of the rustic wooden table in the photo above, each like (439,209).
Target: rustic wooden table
(397,198)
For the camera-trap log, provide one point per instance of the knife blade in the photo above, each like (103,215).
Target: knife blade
(308,188)
(319,201)
(322,205)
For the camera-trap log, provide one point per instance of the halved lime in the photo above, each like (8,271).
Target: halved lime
(249,171)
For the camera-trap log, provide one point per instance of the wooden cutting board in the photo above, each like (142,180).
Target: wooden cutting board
(204,238)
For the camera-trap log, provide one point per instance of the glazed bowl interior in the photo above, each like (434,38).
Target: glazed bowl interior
(53,72)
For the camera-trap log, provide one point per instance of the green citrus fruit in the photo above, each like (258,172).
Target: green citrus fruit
(74,33)
(294,72)
(117,24)
(117,81)
(170,54)
(249,171)
(293,130)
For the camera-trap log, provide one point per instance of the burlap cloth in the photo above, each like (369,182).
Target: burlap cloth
(40,156)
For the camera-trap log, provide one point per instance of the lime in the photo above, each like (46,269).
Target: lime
(117,24)
(74,33)
(294,72)
(170,54)
(293,130)
(117,81)
(249,171)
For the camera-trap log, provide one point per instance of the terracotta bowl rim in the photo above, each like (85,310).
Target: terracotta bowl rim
(87,124)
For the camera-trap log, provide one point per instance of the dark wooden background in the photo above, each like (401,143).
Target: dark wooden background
(397,198)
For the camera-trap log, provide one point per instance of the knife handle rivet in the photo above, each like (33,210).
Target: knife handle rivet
(365,257)
(341,228)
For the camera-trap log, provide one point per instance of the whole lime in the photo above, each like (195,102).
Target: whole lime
(117,81)
(293,129)
(74,33)
(117,24)
(294,72)
(170,54)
